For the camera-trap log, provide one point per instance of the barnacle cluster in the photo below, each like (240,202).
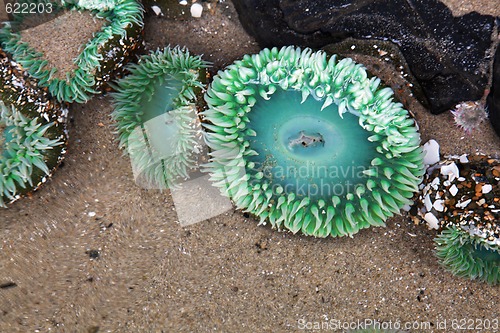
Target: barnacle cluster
(163,86)
(104,54)
(461,199)
(317,95)
(33,132)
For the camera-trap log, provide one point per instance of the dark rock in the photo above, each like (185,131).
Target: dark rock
(8,285)
(368,51)
(493,101)
(449,56)
(93,329)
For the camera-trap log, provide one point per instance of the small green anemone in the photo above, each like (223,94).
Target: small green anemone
(32,133)
(468,256)
(100,58)
(310,143)
(155,114)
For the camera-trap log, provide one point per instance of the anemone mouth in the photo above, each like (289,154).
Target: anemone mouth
(306,152)
(468,256)
(33,131)
(156,115)
(101,57)
(285,111)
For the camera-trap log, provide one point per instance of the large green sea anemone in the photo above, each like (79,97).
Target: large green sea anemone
(32,132)
(100,57)
(156,115)
(461,199)
(310,142)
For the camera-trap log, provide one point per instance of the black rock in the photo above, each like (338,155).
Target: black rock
(493,101)
(449,56)
(8,285)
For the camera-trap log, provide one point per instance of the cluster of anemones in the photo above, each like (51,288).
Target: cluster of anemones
(104,54)
(32,122)
(167,84)
(33,132)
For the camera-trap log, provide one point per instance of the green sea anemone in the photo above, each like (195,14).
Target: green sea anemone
(155,114)
(460,198)
(100,57)
(32,133)
(310,143)
(467,255)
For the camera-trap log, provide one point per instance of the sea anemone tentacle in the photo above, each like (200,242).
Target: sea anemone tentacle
(467,255)
(258,149)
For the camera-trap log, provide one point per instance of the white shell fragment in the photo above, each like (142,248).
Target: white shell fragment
(453,190)
(435,183)
(464,203)
(157,10)
(428,202)
(431,152)
(431,220)
(487,188)
(196,10)
(450,170)
(438,205)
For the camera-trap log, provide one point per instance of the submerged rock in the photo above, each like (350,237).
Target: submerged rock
(463,192)
(449,56)
(493,101)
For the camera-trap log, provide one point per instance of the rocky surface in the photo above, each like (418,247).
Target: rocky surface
(493,101)
(449,56)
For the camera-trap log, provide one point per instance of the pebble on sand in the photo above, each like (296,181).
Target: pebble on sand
(431,151)
(196,10)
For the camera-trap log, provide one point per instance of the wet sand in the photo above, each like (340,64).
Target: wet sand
(92,252)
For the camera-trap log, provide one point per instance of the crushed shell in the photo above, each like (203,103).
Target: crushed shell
(464,192)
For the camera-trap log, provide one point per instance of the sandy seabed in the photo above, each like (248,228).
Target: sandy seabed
(224,274)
